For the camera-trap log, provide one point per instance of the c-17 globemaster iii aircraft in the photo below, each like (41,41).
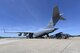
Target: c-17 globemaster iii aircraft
(56,16)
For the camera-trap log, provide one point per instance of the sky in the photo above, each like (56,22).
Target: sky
(33,15)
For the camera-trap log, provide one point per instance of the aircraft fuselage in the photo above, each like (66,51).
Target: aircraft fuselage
(43,32)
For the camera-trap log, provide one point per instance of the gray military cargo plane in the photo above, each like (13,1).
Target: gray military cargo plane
(56,16)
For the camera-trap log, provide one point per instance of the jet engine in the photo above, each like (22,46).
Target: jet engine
(19,34)
(30,35)
(25,34)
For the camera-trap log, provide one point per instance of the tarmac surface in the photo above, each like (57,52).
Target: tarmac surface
(14,45)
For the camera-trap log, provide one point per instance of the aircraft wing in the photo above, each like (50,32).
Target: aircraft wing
(18,32)
(24,33)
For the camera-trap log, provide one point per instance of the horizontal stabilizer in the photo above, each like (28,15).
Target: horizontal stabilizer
(62,18)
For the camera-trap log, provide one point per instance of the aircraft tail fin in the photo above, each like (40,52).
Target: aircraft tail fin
(55,17)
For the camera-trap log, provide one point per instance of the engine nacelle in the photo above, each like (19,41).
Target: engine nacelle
(19,34)
(25,34)
(30,35)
